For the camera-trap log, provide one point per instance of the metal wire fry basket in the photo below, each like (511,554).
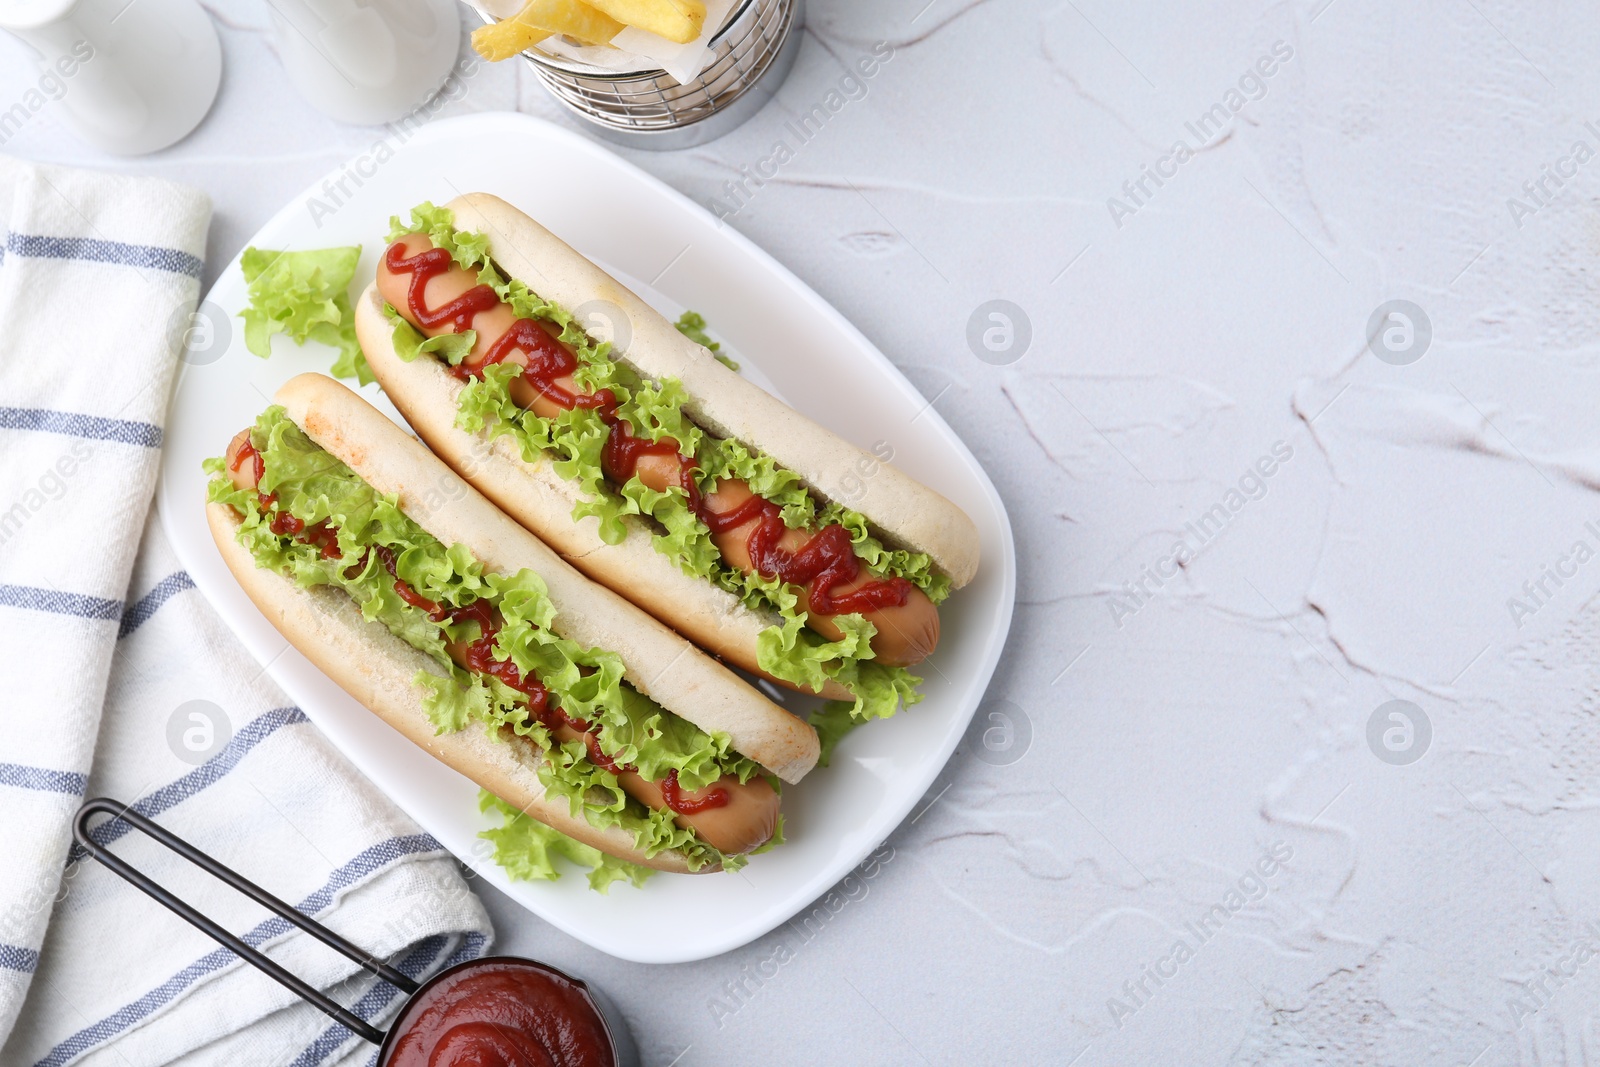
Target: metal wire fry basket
(650,109)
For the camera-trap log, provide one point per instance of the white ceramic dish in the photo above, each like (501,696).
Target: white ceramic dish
(789,340)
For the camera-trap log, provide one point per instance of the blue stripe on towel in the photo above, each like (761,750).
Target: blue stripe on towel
(139,614)
(72,424)
(56,602)
(208,773)
(17,958)
(97,250)
(130,1014)
(43,779)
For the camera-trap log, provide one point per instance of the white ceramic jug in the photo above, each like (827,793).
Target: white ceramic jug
(366,61)
(133,76)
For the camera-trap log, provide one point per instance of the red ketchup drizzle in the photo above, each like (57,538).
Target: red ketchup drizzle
(480,657)
(548,359)
(325,537)
(248,451)
(408,594)
(621,455)
(826,560)
(672,793)
(723,521)
(281,522)
(596,755)
(459,312)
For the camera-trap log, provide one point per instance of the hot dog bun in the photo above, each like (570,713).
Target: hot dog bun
(906,513)
(376,667)
(659,663)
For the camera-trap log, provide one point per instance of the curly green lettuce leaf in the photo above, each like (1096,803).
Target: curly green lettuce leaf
(574,438)
(315,487)
(832,722)
(305,295)
(692,325)
(452,707)
(409,343)
(439,224)
(800,655)
(528,849)
(656,410)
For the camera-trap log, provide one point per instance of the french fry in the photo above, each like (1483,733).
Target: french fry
(695,12)
(695,9)
(502,40)
(539,19)
(676,20)
(580,21)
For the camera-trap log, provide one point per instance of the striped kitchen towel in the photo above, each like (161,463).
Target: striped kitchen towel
(123,682)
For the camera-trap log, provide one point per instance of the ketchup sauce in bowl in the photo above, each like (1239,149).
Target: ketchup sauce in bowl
(502,1011)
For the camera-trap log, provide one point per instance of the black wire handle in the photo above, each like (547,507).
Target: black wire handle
(347,1018)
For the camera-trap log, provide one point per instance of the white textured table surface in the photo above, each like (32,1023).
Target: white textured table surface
(1424,534)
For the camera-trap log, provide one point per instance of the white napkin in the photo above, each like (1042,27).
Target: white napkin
(98,277)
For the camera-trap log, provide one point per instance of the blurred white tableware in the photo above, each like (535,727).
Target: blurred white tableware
(132,76)
(366,61)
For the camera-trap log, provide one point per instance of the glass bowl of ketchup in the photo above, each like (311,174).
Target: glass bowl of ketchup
(498,1011)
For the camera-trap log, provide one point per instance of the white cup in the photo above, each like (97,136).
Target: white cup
(366,63)
(138,75)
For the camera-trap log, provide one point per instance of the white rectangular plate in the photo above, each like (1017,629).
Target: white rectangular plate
(788,340)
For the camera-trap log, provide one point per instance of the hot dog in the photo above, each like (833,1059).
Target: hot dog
(434,609)
(906,620)
(677,456)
